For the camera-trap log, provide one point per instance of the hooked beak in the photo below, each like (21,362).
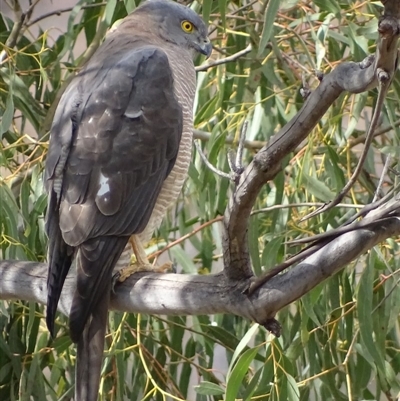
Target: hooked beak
(206,48)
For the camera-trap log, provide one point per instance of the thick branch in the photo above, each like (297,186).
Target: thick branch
(352,77)
(181,294)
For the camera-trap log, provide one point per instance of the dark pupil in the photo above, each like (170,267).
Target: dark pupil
(187,26)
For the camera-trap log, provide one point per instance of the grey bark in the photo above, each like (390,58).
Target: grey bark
(183,294)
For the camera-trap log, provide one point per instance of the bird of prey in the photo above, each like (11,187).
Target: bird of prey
(120,147)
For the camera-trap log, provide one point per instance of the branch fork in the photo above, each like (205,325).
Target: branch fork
(235,160)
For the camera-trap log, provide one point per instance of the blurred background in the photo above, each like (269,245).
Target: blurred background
(340,341)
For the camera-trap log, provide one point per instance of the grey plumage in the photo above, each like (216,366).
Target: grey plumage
(119,151)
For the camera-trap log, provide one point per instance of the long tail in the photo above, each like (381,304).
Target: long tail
(90,352)
(95,261)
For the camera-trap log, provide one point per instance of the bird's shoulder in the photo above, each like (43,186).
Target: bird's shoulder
(114,84)
(114,139)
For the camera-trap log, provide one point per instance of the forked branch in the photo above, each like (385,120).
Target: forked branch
(350,77)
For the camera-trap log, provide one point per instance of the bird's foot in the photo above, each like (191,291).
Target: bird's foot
(132,269)
(126,272)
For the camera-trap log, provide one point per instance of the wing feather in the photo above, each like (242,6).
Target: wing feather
(114,140)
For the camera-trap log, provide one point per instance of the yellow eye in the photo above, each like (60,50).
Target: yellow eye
(187,26)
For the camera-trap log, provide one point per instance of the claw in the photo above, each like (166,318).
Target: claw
(141,264)
(126,272)
(114,281)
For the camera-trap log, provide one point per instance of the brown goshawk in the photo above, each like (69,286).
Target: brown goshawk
(119,151)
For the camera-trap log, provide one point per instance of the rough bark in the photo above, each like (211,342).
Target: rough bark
(183,294)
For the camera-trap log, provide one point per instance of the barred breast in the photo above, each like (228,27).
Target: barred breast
(185,87)
(185,83)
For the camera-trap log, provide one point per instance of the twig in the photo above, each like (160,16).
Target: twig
(205,136)
(235,162)
(64,10)
(170,245)
(384,82)
(239,154)
(305,90)
(293,61)
(231,159)
(243,8)
(266,276)
(15,31)
(384,171)
(301,204)
(361,139)
(208,164)
(20,20)
(225,60)
(235,12)
(380,204)
(371,206)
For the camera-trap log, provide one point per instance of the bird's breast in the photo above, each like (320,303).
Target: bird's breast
(185,87)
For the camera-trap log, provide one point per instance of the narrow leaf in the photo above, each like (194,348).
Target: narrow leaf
(235,379)
(269,18)
(243,342)
(8,115)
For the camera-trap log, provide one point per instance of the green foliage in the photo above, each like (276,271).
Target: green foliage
(341,340)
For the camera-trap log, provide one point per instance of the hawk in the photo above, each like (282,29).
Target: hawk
(120,147)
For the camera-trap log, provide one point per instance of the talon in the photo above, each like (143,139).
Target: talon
(114,281)
(164,268)
(126,272)
(141,264)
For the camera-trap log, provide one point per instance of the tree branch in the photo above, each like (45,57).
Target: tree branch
(386,65)
(183,294)
(253,145)
(233,57)
(63,10)
(351,77)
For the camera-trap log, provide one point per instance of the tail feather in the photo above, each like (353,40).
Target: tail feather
(60,259)
(95,261)
(90,352)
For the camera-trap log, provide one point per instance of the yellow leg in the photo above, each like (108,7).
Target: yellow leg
(142,263)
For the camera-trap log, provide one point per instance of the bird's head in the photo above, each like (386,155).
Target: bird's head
(178,24)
